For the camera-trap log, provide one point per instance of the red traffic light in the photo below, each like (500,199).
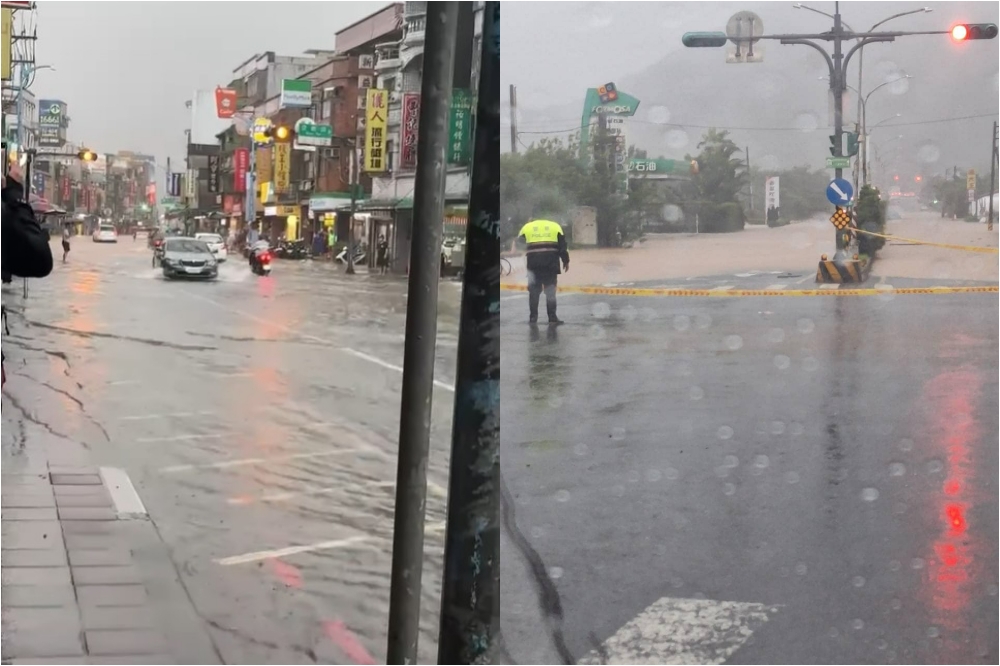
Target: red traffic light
(966,31)
(918,179)
(895,177)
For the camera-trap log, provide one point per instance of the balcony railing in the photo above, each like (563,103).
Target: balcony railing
(414,9)
(387,58)
(413,30)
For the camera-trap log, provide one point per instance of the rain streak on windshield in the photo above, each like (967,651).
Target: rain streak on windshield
(749,332)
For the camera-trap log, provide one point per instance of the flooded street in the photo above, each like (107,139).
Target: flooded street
(257,419)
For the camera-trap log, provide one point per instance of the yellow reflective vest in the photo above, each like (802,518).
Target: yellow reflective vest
(546,245)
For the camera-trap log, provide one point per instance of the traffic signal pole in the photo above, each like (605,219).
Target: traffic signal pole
(421,332)
(993,174)
(838,64)
(470,595)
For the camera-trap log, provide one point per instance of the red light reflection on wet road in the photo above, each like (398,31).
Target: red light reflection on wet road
(953,396)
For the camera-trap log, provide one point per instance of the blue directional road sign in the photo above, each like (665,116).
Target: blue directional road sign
(839,192)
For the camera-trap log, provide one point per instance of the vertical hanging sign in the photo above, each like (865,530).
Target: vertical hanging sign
(282,167)
(376,116)
(410,128)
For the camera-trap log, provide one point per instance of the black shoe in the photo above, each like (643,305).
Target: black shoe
(532,320)
(556,322)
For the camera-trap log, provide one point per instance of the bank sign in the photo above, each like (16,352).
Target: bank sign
(51,123)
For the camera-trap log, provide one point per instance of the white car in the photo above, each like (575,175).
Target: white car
(216,244)
(105,234)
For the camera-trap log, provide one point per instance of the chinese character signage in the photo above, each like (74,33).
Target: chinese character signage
(460,128)
(408,132)
(282,167)
(772,193)
(213,173)
(376,115)
(173,184)
(241,162)
(51,124)
(263,165)
(225,102)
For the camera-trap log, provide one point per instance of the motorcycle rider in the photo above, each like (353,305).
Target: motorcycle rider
(256,250)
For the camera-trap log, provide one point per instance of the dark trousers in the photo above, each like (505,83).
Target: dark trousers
(539,281)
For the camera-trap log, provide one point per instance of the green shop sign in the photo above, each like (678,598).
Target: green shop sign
(460,127)
(657,166)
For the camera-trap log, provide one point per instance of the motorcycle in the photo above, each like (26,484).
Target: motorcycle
(158,248)
(294,249)
(260,261)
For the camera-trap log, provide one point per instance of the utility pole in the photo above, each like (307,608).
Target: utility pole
(421,333)
(513,118)
(470,595)
(993,174)
(353,178)
(750,178)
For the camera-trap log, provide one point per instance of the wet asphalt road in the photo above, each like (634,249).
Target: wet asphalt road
(253,415)
(832,460)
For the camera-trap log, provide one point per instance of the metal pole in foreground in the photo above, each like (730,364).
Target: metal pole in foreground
(421,333)
(470,594)
(993,175)
(837,83)
(353,163)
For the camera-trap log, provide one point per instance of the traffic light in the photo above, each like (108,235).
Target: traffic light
(704,39)
(87,155)
(963,32)
(852,144)
(833,145)
(279,133)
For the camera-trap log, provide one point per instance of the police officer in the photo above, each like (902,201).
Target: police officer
(546,248)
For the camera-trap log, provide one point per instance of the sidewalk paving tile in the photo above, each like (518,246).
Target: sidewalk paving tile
(54,641)
(12,514)
(124,641)
(87,513)
(15,576)
(111,595)
(53,557)
(120,617)
(99,558)
(85,501)
(76,480)
(51,596)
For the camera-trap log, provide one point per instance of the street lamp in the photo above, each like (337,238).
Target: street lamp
(863,102)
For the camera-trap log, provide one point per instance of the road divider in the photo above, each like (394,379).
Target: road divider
(964,248)
(736,293)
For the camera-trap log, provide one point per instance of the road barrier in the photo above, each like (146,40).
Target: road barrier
(841,271)
(964,248)
(731,293)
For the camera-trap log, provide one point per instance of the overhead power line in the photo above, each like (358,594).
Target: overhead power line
(765,129)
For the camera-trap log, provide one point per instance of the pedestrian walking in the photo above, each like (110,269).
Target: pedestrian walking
(546,248)
(382,255)
(331,242)
(65,242)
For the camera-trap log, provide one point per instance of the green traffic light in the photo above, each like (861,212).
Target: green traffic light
(704,39)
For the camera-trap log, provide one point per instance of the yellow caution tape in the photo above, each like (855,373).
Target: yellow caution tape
(711,293)
(966,248)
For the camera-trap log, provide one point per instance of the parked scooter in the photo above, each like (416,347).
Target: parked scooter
(292,249)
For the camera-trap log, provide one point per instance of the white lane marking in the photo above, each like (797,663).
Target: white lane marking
(256,461)
(124,382)
(805,279)
(123,494)
(175,415)
(829,286)
(347,350)
(433,489)
(234,375)
(292,550)
(385,364)
(683,631)
(722,288)
(882,286)
(513,298)
(180,438)
(776,287)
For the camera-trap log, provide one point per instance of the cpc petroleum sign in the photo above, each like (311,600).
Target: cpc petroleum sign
(609,100)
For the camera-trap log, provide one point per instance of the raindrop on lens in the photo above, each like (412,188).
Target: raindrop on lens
(857,624)
(906,445)
(647,314)
(935,467)
(917,563)
(629,313)
(722,472)
(677,139)
(761,462)
(671,474)
(633,477)
(702,321)
(682,322)
(895,565)
(729,489)
(869,494)
(618,491)
(791,477)
(810,364)
(801,569)
(782,362)
(933,632)
(806,326)
(731,461)
(537,532)
(895,604)
(653,475)
(659,115)
(806,122)
(796,429)
(581,449)
(834,632)
(858,581)
(777,428)
(555,573)
(672,213)
(881,644)
(562,496)
(776,335)
(697,393)
(597,332)
(618,434)
(725,432)
(601,310)
(733,342)
(929,153)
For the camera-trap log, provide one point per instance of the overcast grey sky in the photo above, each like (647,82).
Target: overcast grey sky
(554,51)
(126,68)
